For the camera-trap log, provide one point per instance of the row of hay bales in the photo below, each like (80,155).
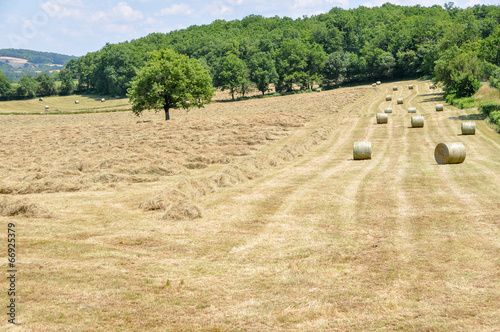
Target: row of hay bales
(76,103)
(444,153)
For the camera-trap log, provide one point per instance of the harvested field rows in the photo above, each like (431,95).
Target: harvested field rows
(262,222)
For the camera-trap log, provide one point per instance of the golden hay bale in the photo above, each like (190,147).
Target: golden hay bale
(449,153)
(400,101)
(378,82)
(410,87)
(388,98)
(40,99)
(374,85)
(77,102)
(103,100)
(46,107)
(439,107)
(432,86)
(468,128)
(417,121)
(382,118)
(412,110)
(388,110)
(395,88)
(362,150)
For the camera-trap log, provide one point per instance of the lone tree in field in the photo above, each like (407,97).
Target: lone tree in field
(170,81)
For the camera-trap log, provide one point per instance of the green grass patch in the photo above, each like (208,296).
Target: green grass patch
(462,103)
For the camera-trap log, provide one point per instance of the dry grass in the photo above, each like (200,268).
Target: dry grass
(252,216)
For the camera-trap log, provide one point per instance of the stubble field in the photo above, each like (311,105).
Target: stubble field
(252,216)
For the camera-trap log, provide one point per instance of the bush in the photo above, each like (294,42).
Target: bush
(461,103)
(487,107)
(495,117)
(495,78)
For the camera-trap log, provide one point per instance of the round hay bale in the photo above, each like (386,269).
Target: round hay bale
(449,153)
(417,121)
(117,97)
(439,107)
(103,100)
(388,110)
(362,150)
(374,85)
(412,110)
(468,128)
(40,99)
(410,87)
(46,107)
(395,88)
(388,98)
(432,86)
(400,101)
(77,102)
(382,118)
(378,82)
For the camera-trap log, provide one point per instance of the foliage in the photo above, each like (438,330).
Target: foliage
(487,107)
(169,80)
(263,71)
(67,85)
(4,86)
(46,85)
(462,103)
(457,46)
(232,74)
(27,88)
(458,71)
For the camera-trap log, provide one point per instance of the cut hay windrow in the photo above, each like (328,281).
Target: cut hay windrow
(22,208)
(449,153)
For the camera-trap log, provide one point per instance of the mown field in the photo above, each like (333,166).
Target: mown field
(252,216)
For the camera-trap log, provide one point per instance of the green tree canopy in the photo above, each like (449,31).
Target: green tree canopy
(169,80)
(263,71)
(46,85)
(4,85)
(232,74)
(27,88)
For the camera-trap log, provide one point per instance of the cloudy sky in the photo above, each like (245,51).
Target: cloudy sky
(75,27)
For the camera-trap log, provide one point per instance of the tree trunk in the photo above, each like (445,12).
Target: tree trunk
(167,112)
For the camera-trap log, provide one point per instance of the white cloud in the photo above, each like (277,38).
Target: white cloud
(177,9)
(125,12)
(217,10)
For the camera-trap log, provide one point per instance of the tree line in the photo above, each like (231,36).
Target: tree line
(456,47)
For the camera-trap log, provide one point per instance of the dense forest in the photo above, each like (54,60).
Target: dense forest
(456,47)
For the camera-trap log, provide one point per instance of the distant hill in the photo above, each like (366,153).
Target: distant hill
(15,63)
(37,58)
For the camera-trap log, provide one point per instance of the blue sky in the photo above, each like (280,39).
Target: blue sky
(75,27)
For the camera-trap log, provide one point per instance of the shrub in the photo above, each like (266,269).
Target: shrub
(495,117)
(487,107)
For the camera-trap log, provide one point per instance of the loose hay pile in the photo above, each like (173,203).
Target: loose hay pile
(22,208)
